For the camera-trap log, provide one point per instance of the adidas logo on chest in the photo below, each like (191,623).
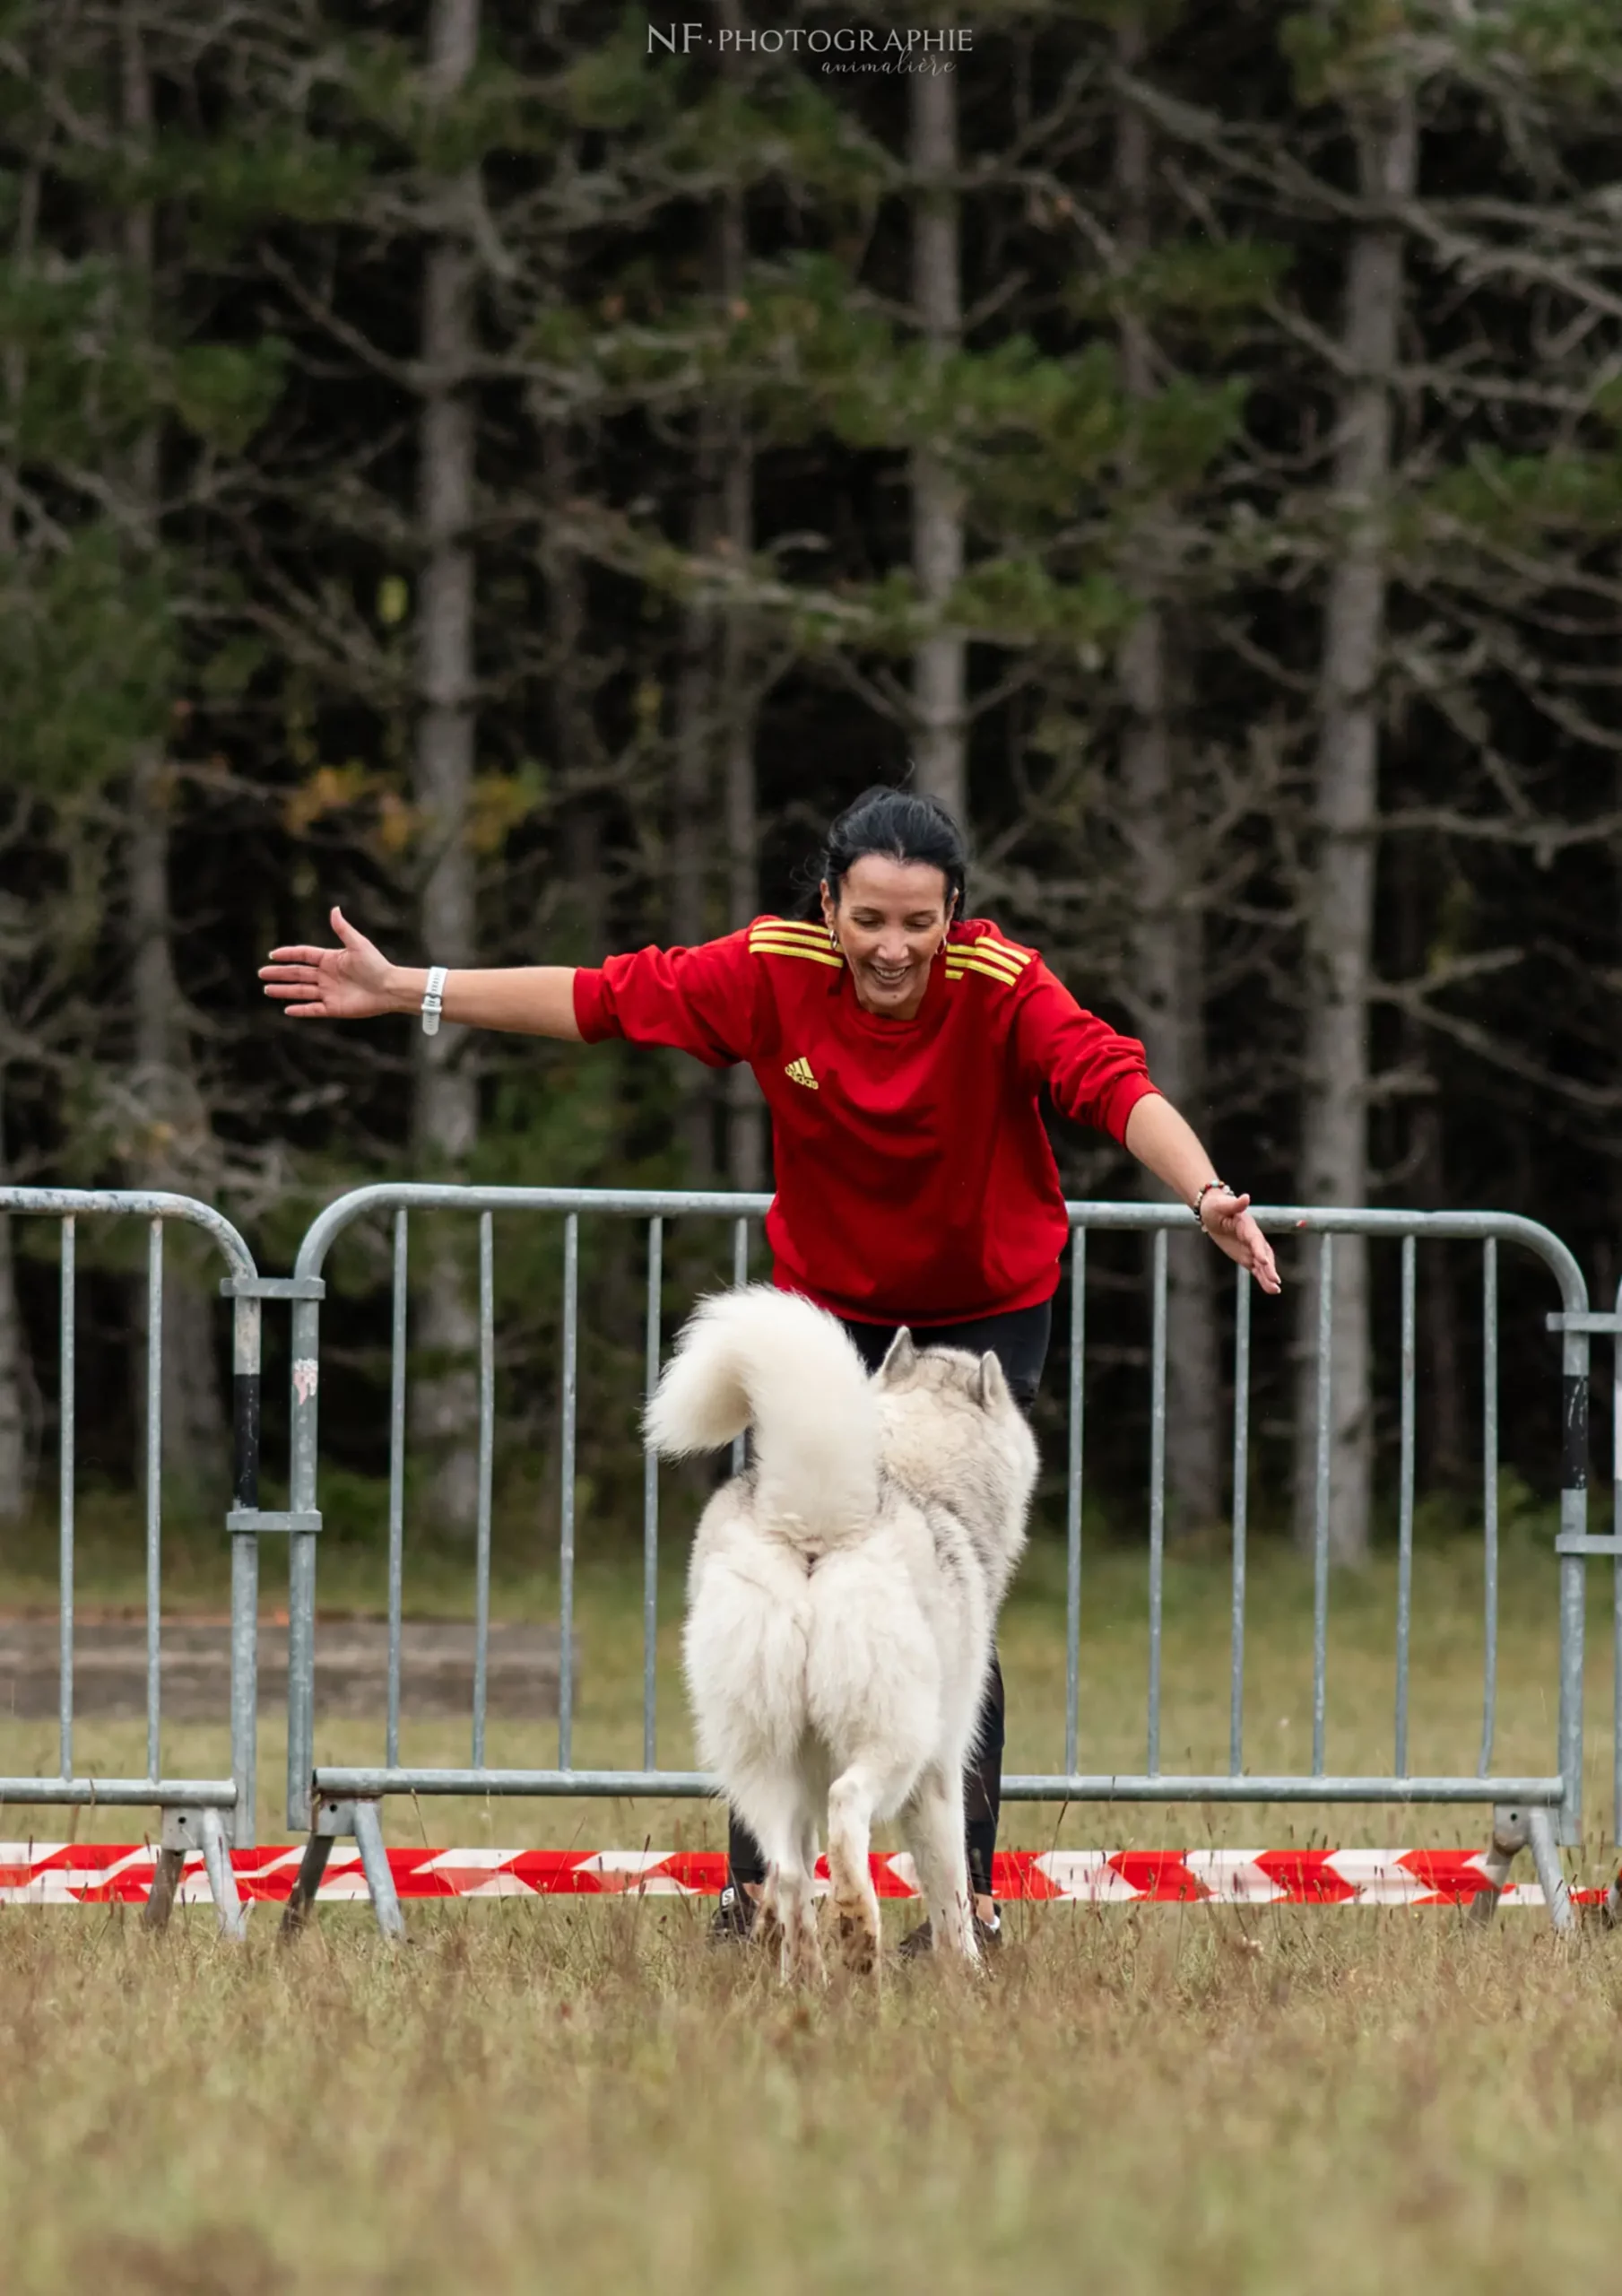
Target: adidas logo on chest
(798,1072)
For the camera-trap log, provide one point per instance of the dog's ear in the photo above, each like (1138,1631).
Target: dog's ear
(901,1359)
(989,1388)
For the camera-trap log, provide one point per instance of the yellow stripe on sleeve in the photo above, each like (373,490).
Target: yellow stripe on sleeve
(761,946)
(996,953)
(956,967)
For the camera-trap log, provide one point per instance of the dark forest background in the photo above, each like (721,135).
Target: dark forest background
(478,462)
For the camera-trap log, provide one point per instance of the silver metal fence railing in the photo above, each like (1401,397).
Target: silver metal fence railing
(200,1814)
(1536,1811)
(349,1807)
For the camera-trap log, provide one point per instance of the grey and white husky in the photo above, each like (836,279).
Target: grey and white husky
(843,1598)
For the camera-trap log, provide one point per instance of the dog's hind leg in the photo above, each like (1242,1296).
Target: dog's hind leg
(851,1801)
(804,1944)
(788,1919)
(933,1823)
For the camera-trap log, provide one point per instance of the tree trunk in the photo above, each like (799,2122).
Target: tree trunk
(1167,940)
(1340,921)
(20,1411)
(582,930)
(1444,1420)
(445,1114)
(940,752)
(692,799)
(715,721)
(175,1145)
(745,1110)
(19,1393)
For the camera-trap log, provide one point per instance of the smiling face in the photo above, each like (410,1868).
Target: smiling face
(890,923)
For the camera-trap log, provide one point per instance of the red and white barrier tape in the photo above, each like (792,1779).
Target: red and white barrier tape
(97,1874)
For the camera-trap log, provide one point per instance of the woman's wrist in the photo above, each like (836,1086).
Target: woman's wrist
(1210,1188)
(405,988)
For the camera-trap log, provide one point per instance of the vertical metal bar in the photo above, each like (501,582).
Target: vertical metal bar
(1405,1507)
(1615,1584)
(1072,1499)
(65,1434)
(1235,1696)
(247,1332)
(1156,1498)
(396,1484)
(650,1503)
(303,1432)
(1573,1523)
(565,1508)
(487,1444)
(155,1470)
(1321,1498)
(1489,1497)
(740,1276)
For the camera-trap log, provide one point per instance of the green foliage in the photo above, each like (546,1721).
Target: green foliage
(86,381)
(1499,498)
(1568,45)
(1178,435)
(613,85)
(1018,603)
(230,184)
(89,661)
(1345,49)
(224,393)
(1210,287)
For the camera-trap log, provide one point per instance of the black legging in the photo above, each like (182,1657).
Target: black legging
(1019,1341)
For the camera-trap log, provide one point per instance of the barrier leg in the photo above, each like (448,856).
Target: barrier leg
(1556,1893)
(203,1830)
(166,1880)
(229,1908)
(361,1820)
(1510,1836)
(374,1864)
(318,1849)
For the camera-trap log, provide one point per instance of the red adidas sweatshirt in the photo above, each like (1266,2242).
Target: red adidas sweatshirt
(915,1183)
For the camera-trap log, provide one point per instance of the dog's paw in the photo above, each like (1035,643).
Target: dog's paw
(858,1940)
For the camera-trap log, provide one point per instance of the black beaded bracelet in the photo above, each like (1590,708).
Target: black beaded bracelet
(1200,1199)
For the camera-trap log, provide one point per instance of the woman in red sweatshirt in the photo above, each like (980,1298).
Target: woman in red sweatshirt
(903,1049)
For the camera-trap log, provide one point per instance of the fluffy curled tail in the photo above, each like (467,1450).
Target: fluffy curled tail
(767,1361)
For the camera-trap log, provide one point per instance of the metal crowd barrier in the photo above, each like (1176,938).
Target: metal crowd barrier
(1536,1812)
(197,1814)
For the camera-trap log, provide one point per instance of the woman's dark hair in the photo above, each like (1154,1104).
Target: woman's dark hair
(899,826)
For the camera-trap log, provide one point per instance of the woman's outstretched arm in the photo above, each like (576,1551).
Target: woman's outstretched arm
(356,982)
(1167,1145)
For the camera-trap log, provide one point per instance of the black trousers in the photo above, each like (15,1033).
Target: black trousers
(1018,1340)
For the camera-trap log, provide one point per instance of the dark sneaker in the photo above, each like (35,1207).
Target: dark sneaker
(732,1919)
(988,1936)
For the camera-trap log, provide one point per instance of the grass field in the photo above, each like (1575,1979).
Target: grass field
(579,2095)
(547,2097)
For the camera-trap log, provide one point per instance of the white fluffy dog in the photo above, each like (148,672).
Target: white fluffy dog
(843,1597)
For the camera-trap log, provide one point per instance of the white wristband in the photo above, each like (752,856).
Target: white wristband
(433,999)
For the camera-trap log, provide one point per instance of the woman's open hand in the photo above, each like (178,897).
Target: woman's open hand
(1226,1220)
(349,983)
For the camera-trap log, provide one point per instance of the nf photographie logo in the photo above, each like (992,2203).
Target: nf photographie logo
(846,48)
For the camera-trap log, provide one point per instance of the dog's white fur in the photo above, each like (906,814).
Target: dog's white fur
(843,1597)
